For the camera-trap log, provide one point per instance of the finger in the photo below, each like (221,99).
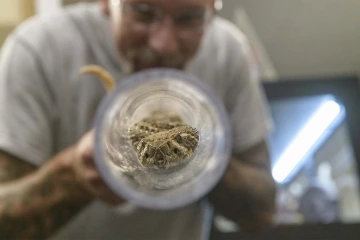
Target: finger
(110,197)
(114,200)
(85,168)
(102,192)
(85,146)
(100,186)
(91,175)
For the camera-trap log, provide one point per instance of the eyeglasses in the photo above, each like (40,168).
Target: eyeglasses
(144,17)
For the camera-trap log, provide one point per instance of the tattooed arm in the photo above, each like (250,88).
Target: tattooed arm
(34,203)
(246,193)
(12,168)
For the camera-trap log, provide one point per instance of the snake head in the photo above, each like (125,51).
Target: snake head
(168,148)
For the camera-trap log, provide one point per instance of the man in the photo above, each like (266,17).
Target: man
(49,185)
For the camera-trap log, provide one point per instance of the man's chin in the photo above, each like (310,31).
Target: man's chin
(138,68)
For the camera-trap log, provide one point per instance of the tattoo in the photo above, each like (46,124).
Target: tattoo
(246,193)
(38,226)
(258,156)
(13,168)
(38,204)
(46,189)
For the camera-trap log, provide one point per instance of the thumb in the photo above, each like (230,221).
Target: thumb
(86,144)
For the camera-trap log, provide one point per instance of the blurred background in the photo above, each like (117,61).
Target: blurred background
(293,39)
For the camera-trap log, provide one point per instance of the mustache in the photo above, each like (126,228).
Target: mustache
(151,58)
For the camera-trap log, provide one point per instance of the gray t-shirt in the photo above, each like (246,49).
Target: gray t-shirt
(46,106)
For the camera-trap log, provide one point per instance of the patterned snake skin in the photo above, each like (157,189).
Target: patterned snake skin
(162,139)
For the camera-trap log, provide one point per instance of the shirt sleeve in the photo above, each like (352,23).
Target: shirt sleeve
(26,105)
(248,107)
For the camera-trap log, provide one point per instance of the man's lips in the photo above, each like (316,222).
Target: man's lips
(143,66)
(160,63)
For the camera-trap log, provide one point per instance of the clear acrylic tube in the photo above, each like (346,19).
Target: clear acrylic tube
(134,98)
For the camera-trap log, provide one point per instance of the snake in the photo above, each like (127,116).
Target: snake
(161,139)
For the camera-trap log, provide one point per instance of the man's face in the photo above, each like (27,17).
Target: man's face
(158,33)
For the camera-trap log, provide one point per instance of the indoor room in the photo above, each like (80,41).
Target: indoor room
(179,119)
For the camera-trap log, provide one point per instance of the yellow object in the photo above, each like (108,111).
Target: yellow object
(102,74)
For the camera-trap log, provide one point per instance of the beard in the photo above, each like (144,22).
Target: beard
(145,58)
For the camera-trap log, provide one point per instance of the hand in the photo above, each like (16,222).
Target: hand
(87,173)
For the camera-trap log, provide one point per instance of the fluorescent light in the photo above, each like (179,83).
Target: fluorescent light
(305,139)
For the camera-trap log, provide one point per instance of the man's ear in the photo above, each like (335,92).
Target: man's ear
(105,7)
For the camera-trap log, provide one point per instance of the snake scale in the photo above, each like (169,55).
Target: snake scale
(160,140)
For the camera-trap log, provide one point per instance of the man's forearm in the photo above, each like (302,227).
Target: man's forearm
(37,205)
(245,195)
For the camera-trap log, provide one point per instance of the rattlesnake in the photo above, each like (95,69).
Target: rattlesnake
(160,140)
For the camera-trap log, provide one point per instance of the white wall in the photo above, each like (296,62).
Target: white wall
(10,12)
(304,37)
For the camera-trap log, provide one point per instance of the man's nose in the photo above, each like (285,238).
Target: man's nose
(163,39)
